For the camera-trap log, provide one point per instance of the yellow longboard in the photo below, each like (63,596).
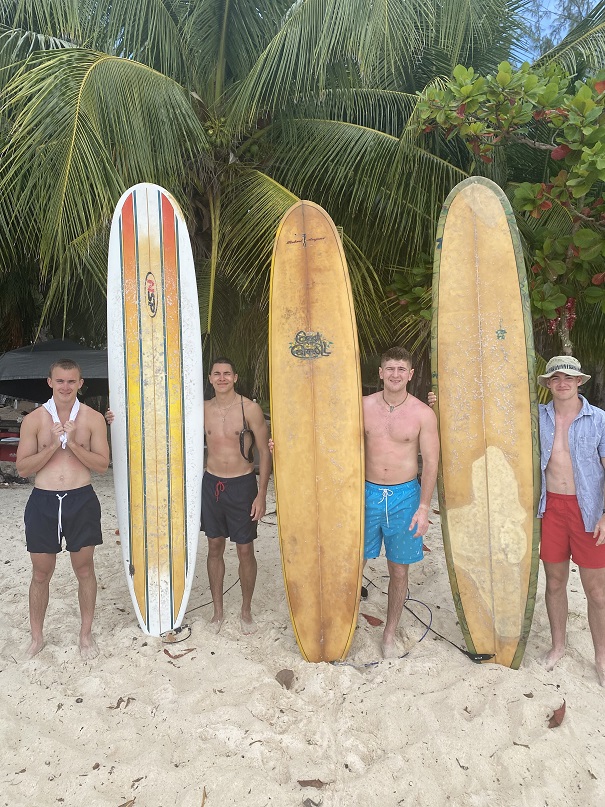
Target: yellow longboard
(317,424)
(483,373)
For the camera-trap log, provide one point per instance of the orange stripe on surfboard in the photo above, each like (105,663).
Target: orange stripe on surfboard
(174,377)
(133,394)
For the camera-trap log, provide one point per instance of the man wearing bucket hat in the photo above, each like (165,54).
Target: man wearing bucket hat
(572,441)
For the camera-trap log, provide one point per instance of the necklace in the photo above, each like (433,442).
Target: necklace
(225,409)
(394,406)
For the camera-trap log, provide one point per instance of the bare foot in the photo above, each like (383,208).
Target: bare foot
(248,625)
(88,648)
(215,624)
(34,648)
(551,658)
(389,648)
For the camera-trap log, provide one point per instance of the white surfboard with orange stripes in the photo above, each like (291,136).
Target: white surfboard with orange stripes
(156,393)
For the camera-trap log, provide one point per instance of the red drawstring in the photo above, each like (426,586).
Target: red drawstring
(220,487)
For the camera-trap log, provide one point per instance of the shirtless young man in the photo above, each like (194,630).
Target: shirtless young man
(232,504)
(61,449)
(397,426)
(572,441)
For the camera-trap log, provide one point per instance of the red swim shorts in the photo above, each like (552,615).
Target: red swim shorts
(564,536)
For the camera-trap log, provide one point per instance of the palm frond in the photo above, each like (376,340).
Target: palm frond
(386,192)
(382,38)
(226,39)
(386,111)
(584,45)
(85,126)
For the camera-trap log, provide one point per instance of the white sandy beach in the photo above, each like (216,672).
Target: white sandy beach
(214,727)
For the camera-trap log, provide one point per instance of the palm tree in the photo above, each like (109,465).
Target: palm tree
(239,108)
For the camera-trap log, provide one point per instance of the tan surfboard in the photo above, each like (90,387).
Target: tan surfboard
(484,376)
(317,425)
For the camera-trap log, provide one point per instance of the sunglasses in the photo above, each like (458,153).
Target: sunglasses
(247,455)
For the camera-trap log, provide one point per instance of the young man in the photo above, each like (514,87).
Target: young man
(61,443)
(572,439)
(232,504)
(397,426)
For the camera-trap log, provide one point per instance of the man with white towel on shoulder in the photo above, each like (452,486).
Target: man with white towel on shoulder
(61,442)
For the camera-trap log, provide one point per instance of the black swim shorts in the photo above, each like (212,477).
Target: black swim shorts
(51,515)
(226,506)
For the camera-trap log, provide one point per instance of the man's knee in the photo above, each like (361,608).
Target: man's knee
(216,548)
(594,588)
(84,570)
(83,563)
(245,552)
(42,576)
(398,571)
(557,575)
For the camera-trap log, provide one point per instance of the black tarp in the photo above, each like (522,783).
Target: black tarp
(23,372)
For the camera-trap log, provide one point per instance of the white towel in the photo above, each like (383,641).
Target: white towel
(51,408)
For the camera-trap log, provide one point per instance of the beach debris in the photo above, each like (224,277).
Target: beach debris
(373,620)
(464,767)
(121,700)
(528,694)
(128,803)
(425,548)
(178,655)
(117,532)
(557,717)
(204,797)
(308,802)
(79,700)
(317,783)
(285,678)
(435,511)
(180,634)
(96,766)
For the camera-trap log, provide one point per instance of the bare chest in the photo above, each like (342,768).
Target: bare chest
(394,427)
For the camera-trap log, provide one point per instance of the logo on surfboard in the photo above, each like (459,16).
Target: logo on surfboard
(150,288)
(309,345)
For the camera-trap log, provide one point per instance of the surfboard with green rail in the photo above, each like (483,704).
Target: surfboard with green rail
(483,371)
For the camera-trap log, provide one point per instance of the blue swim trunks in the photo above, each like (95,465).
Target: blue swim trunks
(389,511)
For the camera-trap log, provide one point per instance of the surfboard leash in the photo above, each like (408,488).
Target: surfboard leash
(205,604)
(476,658)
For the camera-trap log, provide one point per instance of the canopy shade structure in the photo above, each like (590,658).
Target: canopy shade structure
(23,372)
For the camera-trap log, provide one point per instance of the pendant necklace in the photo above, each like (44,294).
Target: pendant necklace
(226,409)
(394,406)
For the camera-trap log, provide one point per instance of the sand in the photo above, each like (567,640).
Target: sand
(213,726)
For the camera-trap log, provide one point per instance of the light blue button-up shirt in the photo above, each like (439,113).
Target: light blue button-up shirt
(587,448)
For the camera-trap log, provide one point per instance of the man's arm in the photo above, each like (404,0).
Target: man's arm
(96,458)
(599,532)
(256,422)
(29,459)
(428,441)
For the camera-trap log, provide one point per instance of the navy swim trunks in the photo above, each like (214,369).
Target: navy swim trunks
(53,515)
(226,506)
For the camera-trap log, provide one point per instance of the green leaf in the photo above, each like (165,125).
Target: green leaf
(586,238)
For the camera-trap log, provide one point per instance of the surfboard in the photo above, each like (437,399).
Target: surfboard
(483,368)
(317,425)
(156,394)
